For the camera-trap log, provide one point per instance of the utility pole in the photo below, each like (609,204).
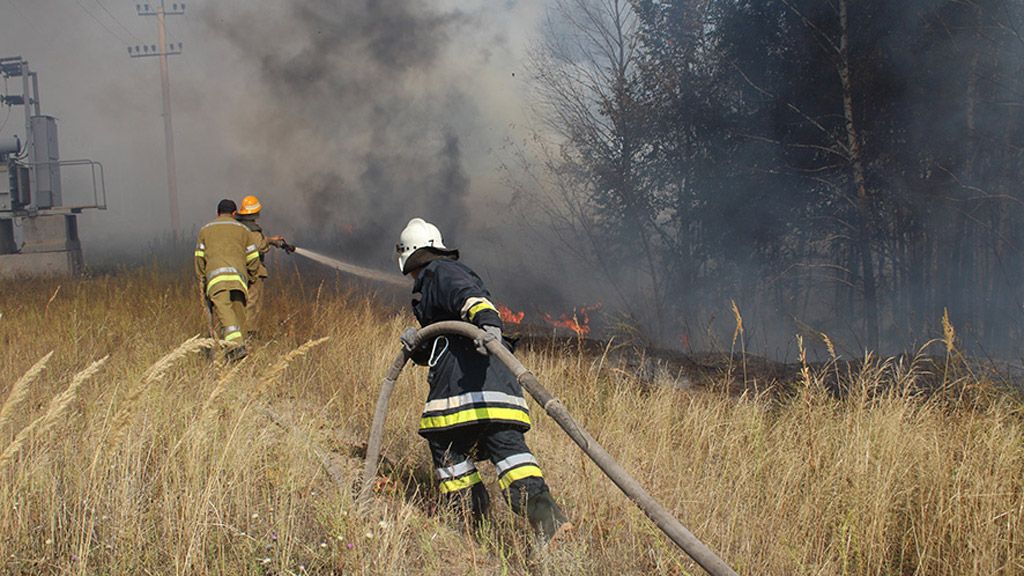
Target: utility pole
(163,50)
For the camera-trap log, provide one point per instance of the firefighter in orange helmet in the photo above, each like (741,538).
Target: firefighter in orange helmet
(248,214)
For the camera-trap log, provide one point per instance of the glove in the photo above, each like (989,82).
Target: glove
(408,339)
(288,248)
(481,347)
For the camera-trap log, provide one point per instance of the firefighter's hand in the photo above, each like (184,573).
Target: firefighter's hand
(281,243)
(408,339)
(481,345)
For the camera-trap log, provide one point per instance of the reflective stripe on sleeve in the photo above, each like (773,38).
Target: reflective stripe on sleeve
(460,483)
(529,471)
(474,306)
(460,469)
(252,256)
(200,254)
(470,398)
(251,248)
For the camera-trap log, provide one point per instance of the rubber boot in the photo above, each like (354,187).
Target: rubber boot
(469,507)
(481,501)
(236,354)
(545,516)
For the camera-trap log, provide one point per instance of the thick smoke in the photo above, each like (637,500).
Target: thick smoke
(353,114)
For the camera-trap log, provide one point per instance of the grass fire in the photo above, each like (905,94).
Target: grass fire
(533,287)
(130,453)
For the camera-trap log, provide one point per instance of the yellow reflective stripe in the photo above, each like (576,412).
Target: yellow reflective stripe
(200,254)
(252,256)
(472,415)
(460,483)
(233,336)
(480,307)
(226,278)
(518,474)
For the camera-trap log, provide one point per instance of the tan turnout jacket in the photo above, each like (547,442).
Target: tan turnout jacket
(227,256)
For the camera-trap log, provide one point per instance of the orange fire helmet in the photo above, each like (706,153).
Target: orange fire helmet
(250,205)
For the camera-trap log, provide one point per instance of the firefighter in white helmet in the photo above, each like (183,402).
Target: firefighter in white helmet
(248,215)
(475,409)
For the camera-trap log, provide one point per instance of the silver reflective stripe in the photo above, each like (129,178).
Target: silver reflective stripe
(202,246)
(214,223)
(513,461)
(250,248)
(470,302)
(460,469)
(468,398)
(219,271)
(230,329)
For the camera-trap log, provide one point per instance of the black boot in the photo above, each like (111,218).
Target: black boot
(236,354)
(469,507)
(545,516)
(481,501)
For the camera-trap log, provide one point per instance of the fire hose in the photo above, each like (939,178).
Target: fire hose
(658,514)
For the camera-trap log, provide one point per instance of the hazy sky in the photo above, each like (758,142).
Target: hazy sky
(245,124)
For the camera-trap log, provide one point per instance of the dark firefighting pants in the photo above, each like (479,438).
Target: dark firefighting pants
(519,475)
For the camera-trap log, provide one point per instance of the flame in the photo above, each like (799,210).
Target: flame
(509,316)
(579,322)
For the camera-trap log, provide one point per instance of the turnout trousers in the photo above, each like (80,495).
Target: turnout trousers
(253,304)
(228,307)
(519,475)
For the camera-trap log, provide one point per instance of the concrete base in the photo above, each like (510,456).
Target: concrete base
(50,233)
(66,263)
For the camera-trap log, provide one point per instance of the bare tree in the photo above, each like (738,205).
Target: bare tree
(586,77)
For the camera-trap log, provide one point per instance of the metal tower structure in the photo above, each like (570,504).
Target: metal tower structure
(38,232)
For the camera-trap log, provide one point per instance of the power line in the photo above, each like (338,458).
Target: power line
(100,22)
(123,27)
(23,17)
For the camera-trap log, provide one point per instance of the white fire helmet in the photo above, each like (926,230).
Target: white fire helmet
(418,234)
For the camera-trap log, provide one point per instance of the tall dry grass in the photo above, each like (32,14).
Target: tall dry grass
(163,463)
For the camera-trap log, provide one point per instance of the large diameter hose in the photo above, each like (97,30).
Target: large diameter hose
(661,517)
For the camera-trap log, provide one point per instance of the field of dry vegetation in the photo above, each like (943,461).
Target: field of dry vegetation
(126,451)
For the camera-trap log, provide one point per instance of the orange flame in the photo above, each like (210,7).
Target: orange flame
(684,340)
(508,316)
(579,322)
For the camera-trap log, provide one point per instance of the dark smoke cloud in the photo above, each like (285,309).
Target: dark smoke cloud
(351,116)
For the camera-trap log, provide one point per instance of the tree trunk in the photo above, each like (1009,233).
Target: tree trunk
(864,240)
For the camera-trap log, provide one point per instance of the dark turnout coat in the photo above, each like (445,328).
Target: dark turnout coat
(466,388)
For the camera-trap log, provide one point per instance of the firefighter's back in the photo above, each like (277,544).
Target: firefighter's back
(226,246)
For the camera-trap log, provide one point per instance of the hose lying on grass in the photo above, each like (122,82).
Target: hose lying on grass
(664,519)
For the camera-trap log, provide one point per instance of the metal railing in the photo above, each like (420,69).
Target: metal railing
(99,184)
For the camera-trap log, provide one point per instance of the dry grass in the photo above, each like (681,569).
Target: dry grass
(162,463)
